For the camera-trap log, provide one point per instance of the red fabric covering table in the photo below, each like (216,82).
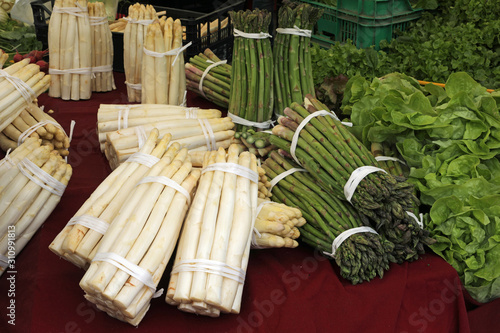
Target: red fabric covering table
(286,290)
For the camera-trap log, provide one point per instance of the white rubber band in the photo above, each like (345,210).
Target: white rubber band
(282,175)
(356,177)
(256,234)
(184,99)
(76,11)
(210,267)
(191,113)
(214,64)
(244,122)
(174,52)
(82,71)
(334,116)
(144,159)
(258,35)
(102,69)
(346,234)
(135,86)
(33,128)
(134,21)
(389,158)
(22,87)
(141,136)
(40,177)
(233,168)
(209,133)
(302,124)
(131,269)
(420,221)
(90,222)
(167,182)
(98,20)
(295,31)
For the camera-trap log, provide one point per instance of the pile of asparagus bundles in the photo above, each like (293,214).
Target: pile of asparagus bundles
(20,84)
(32,180)
(212,256)
(33,122)
(163,78)
(134,252)
(79,239)
(139,17)
(102,49)
(293,74)
(210,77)
(70,44)
(251,100)
(276,225)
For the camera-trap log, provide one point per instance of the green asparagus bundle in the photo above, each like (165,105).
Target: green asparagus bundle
(331,154)
(387,161)
(257,142)
(293,75)
(362,256)
(215,81)
(251,100)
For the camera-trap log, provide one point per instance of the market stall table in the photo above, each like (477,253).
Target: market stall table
(292,290)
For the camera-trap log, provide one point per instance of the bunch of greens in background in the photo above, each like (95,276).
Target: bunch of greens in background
(16,36)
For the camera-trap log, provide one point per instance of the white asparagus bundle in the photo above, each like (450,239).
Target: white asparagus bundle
(20,84)
(164,81)
(113,117)
(141,238)
(70,44)
(79,239)
(189,133)
(32,180)
(212,256)
(102,49)
(35,123)
(139,17)
(276,225)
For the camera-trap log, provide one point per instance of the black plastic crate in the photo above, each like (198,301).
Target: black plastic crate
(41,14)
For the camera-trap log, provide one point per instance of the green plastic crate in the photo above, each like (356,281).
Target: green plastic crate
(379,9)
(338,24)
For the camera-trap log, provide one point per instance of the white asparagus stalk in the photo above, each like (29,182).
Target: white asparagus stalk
(54,42)
(246,255)
(165,241)
(240,233)
(104,45)
(198,286)
(68,36)
(148,67)
(161,83)
(132,51)
(168,34)
(109,112)
(75,63)
(191,234)
(173,93)
(25,73)
(141,36)
(85,49)
(126,51)
(225,221)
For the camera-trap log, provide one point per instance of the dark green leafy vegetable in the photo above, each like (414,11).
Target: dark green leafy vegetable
(16,35)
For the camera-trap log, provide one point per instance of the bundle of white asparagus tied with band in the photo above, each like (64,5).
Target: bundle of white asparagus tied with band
(33,122)
(80,238)
(276,225)
(32,180)
(70,44)
(20,84)
(134,252)
(163,78)
(102,49)
(212,256)
(194,129)
(139,17)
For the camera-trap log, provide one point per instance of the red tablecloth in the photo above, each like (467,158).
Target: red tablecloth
(286,290)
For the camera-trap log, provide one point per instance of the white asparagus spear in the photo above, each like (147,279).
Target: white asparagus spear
(168,33)
(225,221)
(68,37)
(126,50)
(132,51)
(173,93)
(161,83)
(148,68)
(243,218)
